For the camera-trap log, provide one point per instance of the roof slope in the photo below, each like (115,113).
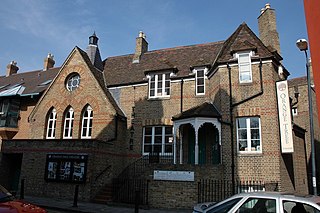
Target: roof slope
(206,109)
(34,82)
(243,39)
(120,70)
(100,79)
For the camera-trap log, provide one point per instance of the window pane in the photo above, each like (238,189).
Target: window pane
(255,134)
(242,123)
(168,130)
(157,148)
(254,122)
(201,89)
(244,58)
(147,148)
(245,76)
(148,131)
(158,139)
(200,81)
(255,145)
(147,139)
(168,148)
(243,145)
(200,73)
(158,130)
(242,134)
(245,68)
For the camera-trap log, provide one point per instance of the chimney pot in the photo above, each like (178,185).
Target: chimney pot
(141,47)
(12,68)
(48,62)
(267,6)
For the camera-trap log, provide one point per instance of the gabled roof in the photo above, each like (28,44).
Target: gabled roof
(100,79)
(34,82)
(207,110)
(243,39)
(120,70)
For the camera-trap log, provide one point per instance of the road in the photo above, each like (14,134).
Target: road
(55,211)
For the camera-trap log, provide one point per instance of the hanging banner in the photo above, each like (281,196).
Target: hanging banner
(284,110)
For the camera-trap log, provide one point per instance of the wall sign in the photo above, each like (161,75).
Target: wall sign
(173,175)
(66,168)
(285,122)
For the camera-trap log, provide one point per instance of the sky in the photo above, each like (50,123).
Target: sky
(30,29)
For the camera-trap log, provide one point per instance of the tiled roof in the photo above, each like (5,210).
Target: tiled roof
(100,78)
(297,81)
(34,82)
(207,110)
(120,70)
(243,39)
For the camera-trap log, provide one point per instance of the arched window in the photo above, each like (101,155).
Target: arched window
(51,125)
(68,123)
(86,128)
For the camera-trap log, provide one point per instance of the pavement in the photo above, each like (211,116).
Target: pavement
(87,207)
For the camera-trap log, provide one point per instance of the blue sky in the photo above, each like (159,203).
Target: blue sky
(30,29)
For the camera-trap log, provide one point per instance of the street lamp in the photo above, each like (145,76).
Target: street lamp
(302,44)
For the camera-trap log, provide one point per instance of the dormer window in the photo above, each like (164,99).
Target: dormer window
(244,63)
(159,85)
(200,80)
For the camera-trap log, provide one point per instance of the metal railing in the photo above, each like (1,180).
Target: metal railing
(217,190)
(127,190)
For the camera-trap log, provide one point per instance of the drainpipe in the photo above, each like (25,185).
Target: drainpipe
(231,129)
(232,105)
(181,96)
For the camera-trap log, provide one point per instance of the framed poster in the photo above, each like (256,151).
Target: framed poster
(66,168)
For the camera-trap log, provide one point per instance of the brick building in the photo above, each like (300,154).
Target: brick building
(172,116)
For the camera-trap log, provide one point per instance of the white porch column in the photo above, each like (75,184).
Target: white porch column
(181,149)
(174,146)
(196,149)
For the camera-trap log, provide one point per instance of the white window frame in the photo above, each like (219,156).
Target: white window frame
(163,137)
(249,139)
(163,93)
(204,70)
(241,65)
(51,124)
(68,124)
(86,125)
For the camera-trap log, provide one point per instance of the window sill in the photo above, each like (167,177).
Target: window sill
(246,83)
(159,98)
(249,154)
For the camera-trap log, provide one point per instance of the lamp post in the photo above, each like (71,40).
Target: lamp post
(302,44)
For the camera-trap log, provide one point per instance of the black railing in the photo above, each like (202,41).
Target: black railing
(126,190)
(217,190)
(138,167)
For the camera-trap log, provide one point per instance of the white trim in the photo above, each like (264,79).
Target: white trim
(163,88)
(133,85)
(163,136)
(53,124)
(249,64)
(248,130)
(196,70)
(70,126)
(89,120)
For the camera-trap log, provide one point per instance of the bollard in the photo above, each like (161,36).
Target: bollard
(75,198)
(22,189)
(137,200)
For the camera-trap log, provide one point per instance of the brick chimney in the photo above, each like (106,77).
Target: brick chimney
(268,28)
(141,47)
(12,68)
(48,62)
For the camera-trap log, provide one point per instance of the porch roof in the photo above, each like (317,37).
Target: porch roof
(206,109)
